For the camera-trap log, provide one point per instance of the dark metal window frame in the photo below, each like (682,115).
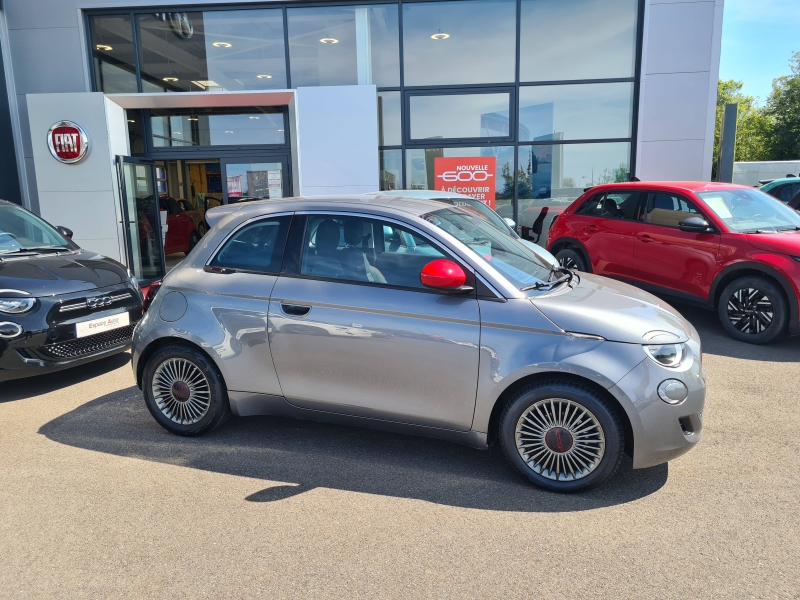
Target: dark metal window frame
(404,90)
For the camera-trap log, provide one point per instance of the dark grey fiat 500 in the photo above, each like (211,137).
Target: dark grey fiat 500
(418,317)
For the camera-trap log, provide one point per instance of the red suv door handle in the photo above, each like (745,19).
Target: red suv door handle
(592,228)
(645,238)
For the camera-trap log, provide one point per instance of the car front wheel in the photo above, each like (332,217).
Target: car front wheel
(184,391)
(571,259)
(753,310)
(562,436)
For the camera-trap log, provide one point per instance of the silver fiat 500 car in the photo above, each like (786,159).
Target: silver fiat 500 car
(419,317)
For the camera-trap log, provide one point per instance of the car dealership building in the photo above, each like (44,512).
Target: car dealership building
(105,105)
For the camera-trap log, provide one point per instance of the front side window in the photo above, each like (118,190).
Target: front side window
(508,255)
(611,206)
(257,247)
(365,250)
(750,211)
(669,210)
(21,231)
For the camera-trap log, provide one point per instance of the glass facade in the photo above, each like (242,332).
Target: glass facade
(519,96)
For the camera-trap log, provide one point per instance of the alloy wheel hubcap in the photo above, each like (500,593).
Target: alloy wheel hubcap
(560,439)
(750,310)
(181,391)
(568,263)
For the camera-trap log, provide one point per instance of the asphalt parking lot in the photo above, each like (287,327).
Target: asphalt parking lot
(98,501)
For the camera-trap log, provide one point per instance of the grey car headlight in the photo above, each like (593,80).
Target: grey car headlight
(16,306)
(667,355)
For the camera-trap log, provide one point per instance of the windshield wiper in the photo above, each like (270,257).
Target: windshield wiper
(567,276)
(789,229)
(34,250)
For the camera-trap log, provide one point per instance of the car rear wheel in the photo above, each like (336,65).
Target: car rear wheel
(201,229)
(184,391)
(562,436)
(753,310)
(193,239)
(571,259)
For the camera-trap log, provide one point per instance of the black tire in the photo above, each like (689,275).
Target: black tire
(193,239)
(572,259)
(754,310)
(577,398)
(218,409)
(201,229)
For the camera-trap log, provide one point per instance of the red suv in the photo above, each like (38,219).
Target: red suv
(727,247)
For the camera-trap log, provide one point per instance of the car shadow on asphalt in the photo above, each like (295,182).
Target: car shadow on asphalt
(717,341)
(36,385)
(304,455)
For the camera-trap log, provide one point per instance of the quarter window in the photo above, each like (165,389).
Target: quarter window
(612,206)
(669,210)
(257,247)
(365,250)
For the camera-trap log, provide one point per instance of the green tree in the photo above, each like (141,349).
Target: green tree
(783,108)
(753,124)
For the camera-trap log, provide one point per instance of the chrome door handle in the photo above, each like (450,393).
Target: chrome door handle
(295,310)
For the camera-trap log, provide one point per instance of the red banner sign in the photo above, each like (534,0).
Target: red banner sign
(469,175)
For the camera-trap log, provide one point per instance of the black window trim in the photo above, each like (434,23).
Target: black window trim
(209,268)
(298,249)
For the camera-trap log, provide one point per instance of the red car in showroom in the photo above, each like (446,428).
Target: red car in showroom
(730,248)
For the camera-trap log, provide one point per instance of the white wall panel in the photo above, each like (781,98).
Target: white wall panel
(672,161)
(674,106)
(680,37)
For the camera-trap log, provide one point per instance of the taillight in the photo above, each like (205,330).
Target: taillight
(150,294)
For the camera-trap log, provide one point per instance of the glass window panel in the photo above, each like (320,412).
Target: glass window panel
(552,176)
(112,54)
(389,128)
(570,112)
(391,169)
(135,136)
(212,51)
(454,43)
(577,39)
(254,181)
(344,45)
(459,116)
(183,127)
(496,190)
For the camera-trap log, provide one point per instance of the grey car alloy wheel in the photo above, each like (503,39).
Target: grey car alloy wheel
(181,391)
(560,439)
(750,310)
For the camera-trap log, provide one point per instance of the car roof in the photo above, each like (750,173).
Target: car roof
(774,182)
(685,186)
(421,194)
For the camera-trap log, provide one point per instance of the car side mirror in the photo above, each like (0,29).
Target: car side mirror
(444,275)
(510,223)
(695,225)
(65,231)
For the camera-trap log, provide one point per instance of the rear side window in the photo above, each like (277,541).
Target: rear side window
(669,210)
(612,205)
(256,247)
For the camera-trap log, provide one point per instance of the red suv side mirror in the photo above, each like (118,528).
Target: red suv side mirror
(443,274)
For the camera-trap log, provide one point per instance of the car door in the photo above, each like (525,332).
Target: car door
(666,257)
(605,225)
(353,331)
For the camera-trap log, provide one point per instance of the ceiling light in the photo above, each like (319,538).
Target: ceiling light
(229,131)
(329,41)
(263,76)
(104,47)
(176,133)
(280,129)
(131,121)
(170,79)
(254,118)
(206,84)
(192,119)
(221,45)
(440,36)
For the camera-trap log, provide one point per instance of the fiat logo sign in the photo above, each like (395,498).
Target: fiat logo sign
(68,142)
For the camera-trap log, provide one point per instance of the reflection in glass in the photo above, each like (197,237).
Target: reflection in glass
(389,128)
(135,135)
(212,51)
(184,127)
(569,112)
(254,181)
(391,164)
(553,175)
(112,54)
(459,116)
(449,43)
(141,211)
(344,45)
(421,173)
(577,39)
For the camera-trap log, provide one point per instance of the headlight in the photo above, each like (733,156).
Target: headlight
(15,306)
(667,355)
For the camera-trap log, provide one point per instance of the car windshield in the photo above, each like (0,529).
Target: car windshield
(507,254)
(751,211)
(21,230)
(477,206)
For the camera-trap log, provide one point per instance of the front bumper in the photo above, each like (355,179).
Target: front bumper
(661,431)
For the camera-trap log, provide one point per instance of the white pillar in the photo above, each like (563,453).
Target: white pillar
(363,46)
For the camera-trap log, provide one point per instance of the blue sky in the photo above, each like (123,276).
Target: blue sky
(758,37)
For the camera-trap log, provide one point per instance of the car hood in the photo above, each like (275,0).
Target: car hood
(51,275)
(784,242)
(613,310)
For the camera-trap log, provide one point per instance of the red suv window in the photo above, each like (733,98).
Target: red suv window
(667,209)
(612,205)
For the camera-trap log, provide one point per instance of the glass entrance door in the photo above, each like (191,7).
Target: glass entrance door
(255,178)
(141,218)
